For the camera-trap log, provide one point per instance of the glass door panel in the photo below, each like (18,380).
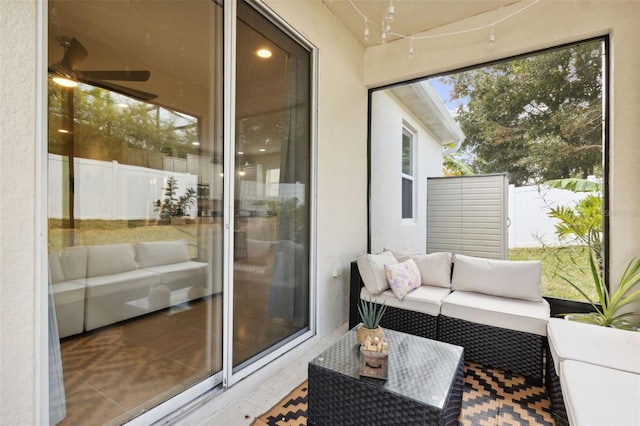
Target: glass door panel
(135,201)
(271,188)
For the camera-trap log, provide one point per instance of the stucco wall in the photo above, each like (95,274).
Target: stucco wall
(544,25)
(388,229)
(18,266)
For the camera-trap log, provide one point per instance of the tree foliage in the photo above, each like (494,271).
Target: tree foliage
(106,129)
(538,118)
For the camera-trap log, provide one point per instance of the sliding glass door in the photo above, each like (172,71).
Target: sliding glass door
(165,277)
(135,170)
(272,188)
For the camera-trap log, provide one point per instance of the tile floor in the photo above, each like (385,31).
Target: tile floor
(241,403)
(115,373)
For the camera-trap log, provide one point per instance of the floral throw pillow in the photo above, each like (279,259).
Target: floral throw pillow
(403,277)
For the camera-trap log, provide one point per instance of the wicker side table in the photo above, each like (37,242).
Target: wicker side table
(424,385)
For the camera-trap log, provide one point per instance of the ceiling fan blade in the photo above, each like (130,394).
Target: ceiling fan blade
(74,55)
(123,75)
(134,93)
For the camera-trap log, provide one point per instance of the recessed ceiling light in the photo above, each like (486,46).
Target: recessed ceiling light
(64,82)
(196,143)
(63,131)
(264,53)
(262,150)
(122,105)
(240,152)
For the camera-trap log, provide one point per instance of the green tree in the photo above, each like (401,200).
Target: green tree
(538,118)
(106,125)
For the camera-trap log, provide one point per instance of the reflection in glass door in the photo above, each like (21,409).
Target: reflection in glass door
(135,201)
(272,177)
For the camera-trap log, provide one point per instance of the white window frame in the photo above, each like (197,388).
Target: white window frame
(411,133)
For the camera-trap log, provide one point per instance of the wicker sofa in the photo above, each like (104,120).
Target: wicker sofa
(94,286)
(584,358)
(492,308)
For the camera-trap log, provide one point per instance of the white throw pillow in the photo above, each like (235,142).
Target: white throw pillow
(111,259)
(156,253)
(73,261)
(401,255)
(403,277)
(435,268)
(506,278)
(371,267)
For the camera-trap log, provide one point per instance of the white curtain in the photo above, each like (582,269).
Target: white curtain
(57,404)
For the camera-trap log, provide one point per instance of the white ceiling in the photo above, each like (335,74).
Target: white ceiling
(411,16)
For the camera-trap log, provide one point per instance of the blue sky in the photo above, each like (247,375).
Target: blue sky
(444,91)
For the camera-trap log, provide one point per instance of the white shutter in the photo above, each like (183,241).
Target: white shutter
(468,215)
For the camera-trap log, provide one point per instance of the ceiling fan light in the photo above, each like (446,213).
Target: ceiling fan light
(64,82)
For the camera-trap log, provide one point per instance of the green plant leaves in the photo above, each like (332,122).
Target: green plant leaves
(371,313)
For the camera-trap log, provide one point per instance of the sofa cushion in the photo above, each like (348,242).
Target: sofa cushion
(403,277)
(401,255)
(608,347)
(512,314)
(371,267)
(435,268)
(505,278)
(73,261)
(596,395)
(154,253)
(110,259)
(55,267)
(180,275)
(424,299)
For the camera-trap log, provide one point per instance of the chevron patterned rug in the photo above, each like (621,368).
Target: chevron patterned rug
(491,397)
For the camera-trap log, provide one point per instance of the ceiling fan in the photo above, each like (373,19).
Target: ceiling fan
(75,53)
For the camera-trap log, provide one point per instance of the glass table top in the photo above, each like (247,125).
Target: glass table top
(419,368)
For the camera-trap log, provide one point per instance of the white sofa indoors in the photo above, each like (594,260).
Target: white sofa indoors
(593,374)
(94,286)
(493,308)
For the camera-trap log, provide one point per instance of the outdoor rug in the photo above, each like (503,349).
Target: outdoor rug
(491,397)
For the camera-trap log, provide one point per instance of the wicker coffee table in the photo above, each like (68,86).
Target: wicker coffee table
(424,384)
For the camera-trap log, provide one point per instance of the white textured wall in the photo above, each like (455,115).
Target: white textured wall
(18,302)
(388,229)
(547,24)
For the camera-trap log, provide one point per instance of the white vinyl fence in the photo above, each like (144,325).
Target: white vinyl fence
(530,226)
(110,190)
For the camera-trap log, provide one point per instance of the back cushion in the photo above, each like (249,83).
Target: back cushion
(371,267)
(435,268)
(155,253)
(505,278)
(111,259)
(55,267)
(73,261)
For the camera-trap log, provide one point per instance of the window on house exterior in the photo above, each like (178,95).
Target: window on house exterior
(407,173)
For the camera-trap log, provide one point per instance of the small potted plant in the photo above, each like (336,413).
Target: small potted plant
(370,313)
(173,209)
(608,307)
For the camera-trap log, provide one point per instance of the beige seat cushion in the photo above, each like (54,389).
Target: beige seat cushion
(604,346)
(595,395)
(425,299)
(512,314)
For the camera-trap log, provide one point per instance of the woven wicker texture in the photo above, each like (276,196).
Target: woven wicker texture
(424,377)
(510,350)
(552,382)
